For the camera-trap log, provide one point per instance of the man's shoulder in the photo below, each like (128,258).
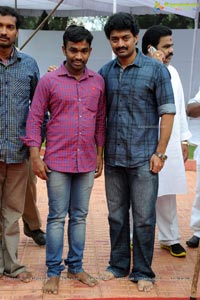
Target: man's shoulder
(27,57)
(107,67)
(150,65)
(60,71)
(145,59)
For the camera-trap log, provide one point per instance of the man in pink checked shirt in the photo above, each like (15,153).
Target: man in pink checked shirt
(75,136)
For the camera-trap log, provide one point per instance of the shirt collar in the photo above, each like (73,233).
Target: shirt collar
(62,71)
(15,54)
(12,53)
(10,57)
(138,61)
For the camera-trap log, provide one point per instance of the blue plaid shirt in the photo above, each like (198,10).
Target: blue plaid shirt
(18,79)
(136,97)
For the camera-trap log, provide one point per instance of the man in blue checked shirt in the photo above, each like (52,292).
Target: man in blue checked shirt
(19,75)
(139,93)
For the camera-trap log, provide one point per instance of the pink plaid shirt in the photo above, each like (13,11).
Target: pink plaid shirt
(77,119)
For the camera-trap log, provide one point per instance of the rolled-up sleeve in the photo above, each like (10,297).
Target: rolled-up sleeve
(164,92)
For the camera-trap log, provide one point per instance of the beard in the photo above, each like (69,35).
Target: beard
(6,43)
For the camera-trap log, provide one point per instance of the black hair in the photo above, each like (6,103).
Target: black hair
(9,11)
(152,36)
(121,21)
(75,33)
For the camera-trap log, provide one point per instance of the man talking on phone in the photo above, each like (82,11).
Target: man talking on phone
(157,42)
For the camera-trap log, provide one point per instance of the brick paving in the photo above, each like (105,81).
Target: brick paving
(174,275)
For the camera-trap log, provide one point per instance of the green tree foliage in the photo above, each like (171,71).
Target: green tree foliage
(53,23)
(97,23)
(172,20)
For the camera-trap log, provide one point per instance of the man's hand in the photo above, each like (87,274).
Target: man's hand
(156,164)
(185,151)
(158,54)
(99,167)
(52,68)
(40,168)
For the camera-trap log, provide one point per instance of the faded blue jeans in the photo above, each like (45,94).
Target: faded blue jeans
(135,187)
(68,193)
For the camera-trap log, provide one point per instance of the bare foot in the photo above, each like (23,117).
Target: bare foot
(51,285)
(144,285)
(25,276)
(107,276)
(83,277)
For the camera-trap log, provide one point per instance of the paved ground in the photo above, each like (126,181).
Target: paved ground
(174,275)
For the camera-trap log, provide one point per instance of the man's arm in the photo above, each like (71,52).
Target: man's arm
(34,122)
(100,130)
(193,110)
(99,167)
(193,107)
(166,124)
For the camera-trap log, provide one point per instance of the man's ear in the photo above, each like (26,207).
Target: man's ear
(136,38)
(17,33)
(64,50)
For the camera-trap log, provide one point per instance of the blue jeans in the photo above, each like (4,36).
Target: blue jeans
(67,193)
(135,187)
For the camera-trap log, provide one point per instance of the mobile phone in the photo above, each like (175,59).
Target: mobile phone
(152,49)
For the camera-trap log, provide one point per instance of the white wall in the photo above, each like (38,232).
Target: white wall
(45,47)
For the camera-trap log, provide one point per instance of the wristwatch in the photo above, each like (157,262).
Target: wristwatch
(163,157)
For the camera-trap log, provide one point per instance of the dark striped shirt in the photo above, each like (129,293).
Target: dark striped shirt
(136,97)
(18,79)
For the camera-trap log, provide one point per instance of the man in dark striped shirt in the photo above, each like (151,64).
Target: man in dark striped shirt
(139,92)
(19,75)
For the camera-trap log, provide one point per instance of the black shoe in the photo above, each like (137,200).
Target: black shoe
(37,235)
(175,250)
(193,242)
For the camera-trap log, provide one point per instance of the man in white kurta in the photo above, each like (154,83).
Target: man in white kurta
(172,178)
(193,110)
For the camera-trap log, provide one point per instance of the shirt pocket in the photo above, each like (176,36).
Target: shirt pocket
(92,100)
(21,87)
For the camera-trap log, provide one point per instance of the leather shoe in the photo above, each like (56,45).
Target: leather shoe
(193,242)
(37,235)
